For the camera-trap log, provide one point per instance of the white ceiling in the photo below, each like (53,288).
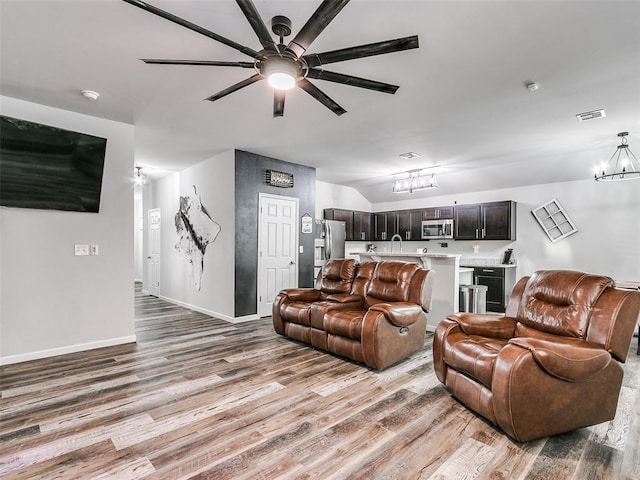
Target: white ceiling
(461,105)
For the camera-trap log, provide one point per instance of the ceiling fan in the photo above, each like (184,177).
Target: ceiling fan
(286,66)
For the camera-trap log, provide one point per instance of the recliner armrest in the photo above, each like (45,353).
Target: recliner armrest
(569,362)
(302,294)
(485,324)
(401,314)
(344,298)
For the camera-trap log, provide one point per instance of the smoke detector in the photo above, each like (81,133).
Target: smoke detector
(90,95)
(590,115)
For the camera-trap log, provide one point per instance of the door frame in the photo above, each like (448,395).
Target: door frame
(296,201)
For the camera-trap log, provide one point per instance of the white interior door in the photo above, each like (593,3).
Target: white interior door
(277,248)
(153,251)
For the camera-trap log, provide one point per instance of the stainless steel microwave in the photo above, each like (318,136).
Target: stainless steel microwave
(437,229)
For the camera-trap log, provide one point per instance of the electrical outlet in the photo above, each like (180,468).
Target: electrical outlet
(93,250)
(301,249)
(444,244)
(82,250)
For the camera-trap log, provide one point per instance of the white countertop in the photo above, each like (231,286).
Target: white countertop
(407,254)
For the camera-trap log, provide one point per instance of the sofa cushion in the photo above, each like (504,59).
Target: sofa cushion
(344,323)
(391,281)
(560,301)
(296,312)
(473,355)
(337,275)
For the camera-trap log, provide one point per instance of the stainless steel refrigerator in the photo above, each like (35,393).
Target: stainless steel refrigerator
(330,240)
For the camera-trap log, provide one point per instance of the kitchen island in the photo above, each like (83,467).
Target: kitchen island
(446,284)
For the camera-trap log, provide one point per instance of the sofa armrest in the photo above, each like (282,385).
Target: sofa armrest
(302,294)
(401,314)
(566,361)
(485,324)
(344,298)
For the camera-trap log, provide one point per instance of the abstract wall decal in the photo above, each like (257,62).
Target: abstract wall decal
(196,229)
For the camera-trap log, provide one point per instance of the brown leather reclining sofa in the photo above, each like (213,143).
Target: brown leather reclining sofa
(373,313)
(550,364)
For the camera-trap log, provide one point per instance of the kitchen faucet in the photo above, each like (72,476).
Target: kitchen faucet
(393,240)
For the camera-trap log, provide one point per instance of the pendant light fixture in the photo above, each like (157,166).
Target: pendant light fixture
(415,181)
(623,164)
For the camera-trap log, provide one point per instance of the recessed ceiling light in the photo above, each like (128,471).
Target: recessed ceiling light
(409,155)
(90,95)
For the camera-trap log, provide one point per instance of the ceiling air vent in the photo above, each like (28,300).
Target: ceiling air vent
(409,155)
(590,115)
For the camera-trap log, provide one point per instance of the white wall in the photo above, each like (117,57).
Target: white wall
(214,179)
(52,302)
(329,195)
(607,216)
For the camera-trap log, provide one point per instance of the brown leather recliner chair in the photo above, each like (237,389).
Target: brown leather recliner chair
(550,364)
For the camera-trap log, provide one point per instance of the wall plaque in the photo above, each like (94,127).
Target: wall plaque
(279,179)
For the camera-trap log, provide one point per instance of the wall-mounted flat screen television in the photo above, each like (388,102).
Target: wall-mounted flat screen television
(49,168)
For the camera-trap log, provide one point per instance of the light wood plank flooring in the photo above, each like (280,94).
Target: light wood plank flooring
(201,398)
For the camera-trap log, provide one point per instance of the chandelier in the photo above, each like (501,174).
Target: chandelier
(623,164)
(415,181)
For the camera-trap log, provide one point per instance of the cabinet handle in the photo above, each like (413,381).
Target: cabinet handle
(407,235)
(476,233)
(487,270)
(483,233)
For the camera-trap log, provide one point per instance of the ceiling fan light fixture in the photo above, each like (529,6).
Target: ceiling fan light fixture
(280,72)
(281,80)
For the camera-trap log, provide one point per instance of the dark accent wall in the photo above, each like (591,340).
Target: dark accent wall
(250,181)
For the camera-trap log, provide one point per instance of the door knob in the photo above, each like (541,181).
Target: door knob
(292,262)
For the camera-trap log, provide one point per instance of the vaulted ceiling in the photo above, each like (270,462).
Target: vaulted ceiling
(462,104)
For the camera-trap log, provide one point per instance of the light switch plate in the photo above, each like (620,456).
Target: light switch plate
(82,250)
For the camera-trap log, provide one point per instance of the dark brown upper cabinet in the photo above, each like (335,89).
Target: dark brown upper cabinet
(437,213)
(362,226)
(385,225)
(485,221)
(409,224)
(343,215)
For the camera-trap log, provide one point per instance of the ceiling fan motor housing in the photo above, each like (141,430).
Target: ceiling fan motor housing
(284,62)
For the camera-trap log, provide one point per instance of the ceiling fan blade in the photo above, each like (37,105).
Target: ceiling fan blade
(322,97)
(378,48)
(351,80)
(250,11)
(327,10)
(278,103)
(244,83)
(192,26)
(162,61)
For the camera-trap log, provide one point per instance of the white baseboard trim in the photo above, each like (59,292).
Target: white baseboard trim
(53,352)
(211,313)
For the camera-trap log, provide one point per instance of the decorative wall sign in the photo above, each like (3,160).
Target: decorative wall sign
(279,179)
(554,220)
(306,223)
(196,229)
